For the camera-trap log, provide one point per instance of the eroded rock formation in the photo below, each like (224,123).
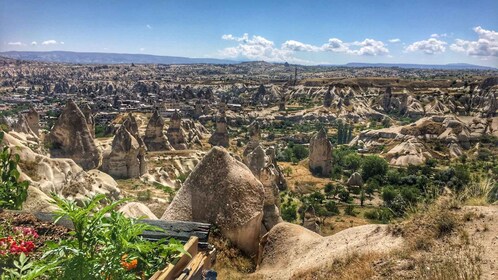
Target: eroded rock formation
(154,138)
(222,191)
(176,135)
(71,138)
(127,157)
(320,158)
(220,136)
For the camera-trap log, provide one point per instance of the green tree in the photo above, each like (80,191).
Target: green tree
(373,166)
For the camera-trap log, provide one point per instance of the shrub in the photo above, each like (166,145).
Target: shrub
(12,192)
(373,166)
(445,223)
(344,196)
(331,207)
(289,211)
(350,210)
(383,215)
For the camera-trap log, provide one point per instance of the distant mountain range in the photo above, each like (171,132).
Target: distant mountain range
(121,58)
(450,66)
(109,58)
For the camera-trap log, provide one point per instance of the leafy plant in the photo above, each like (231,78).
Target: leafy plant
(12,192)
(106,244)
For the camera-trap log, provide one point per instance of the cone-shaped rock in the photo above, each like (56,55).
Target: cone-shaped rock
(71,138)
(355,180)
(222,191)
(220,136)
(90,121)
(327,99)
(320,158)
(33,119)
(154,139)
(127,157)
(176,136)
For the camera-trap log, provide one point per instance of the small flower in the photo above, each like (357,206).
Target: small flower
(128,265)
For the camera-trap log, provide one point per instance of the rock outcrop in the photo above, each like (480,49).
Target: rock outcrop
(33,119)
(90,120)
(327,98)
(222,191)
(154,138)
(176,135)
(355,180)
(56,175)
(320,158)
(71,138)
(127,157)
(220,136)
(22,126)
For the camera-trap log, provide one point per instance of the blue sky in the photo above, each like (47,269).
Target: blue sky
(307,32)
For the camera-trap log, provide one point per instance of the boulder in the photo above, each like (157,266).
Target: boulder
(154,138)
(222,191)
(355,180)
(137,210)
(71,138)
(320,158)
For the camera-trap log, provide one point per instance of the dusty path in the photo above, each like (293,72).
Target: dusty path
(483,227)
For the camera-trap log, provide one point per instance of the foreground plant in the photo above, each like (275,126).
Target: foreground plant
(106,244)
(12,192)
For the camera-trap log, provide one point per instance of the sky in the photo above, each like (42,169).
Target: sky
(304,32)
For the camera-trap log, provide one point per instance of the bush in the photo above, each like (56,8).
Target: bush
(388,195)
(289,211)
(383,215)
(445,223)
(12,192)
(344,196)
(350,210)
(373,166)
(331,206)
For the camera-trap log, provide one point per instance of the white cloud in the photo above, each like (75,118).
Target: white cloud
(260,48)
(254,48)
(429,46)
(395,40)
(148,26)
(335,45)
(34,43)
(62,43)
(15,44)
(435,35)
(230,37)
(299,47)
(49,42)
(486,44)
(142,49)
(370,47)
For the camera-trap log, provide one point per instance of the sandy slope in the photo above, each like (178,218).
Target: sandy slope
(290,249)
(484,229)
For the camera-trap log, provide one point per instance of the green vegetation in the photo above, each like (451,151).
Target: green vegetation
(293,153)
(12,192)
(103,245)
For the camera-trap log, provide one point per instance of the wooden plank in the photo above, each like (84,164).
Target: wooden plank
(172,271)
(179,230)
